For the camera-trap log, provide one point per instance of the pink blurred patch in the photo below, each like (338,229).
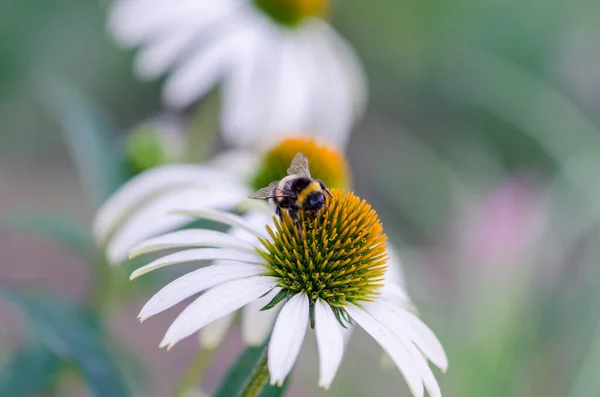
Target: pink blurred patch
(503,226)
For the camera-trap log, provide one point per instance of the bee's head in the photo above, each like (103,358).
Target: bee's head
(314,201)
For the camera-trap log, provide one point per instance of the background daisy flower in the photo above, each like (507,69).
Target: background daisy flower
(328,276)
(282,67)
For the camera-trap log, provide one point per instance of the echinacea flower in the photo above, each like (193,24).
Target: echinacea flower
(327,276)
(281,66)
(143,208)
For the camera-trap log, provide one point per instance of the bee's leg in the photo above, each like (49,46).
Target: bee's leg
(278,211)
(294,217)
(325,189)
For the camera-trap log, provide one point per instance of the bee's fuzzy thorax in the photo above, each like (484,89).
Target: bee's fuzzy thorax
(338,256)
(314,186)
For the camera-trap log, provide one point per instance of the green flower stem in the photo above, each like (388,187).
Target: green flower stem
(105,285)
(259,378)
(194,373)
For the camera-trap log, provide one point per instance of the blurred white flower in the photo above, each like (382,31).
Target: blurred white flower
(328,278)
(282,67)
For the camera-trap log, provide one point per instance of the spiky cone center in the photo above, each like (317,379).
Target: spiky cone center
(327,163)
(292,12)
(339,254)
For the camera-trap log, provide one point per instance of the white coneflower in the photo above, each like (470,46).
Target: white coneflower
(328,275)
(281,65)
(143,208)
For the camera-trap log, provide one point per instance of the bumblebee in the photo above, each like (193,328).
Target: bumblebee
(298,191)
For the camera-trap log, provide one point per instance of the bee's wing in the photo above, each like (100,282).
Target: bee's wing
(299,166)
(265,192)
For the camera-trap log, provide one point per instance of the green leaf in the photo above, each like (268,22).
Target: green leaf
(240,372)
(74,335)
(54,227)
(32,369)
(88,135)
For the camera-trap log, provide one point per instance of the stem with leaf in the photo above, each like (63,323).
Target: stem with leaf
(258,379)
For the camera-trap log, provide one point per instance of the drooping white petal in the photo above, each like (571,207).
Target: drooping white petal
(257,324)
(291,100)
(421,364)
(154,59)
(156,216)
(406,325)
(395,270)
(248,91)
(194,77)
(216,303)
(332,103)
(392,344)
(195,282)
(354,73)
(394,283)
(286,340)
(165,48)
(428,378)
(134,21)
(213,334)
(227,218)
(191,238)
(145,186)
(200,254)
(330,343)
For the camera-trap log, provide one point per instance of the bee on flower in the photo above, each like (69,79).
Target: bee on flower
(298,191)
(166,198)
(327,275)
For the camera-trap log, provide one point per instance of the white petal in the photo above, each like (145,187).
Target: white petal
(154,59)
(333,102)
(213,334)
(354,72)
(242,162)
(395,271)
(191,238)
(200,254)
(157,216)
(330,343)
(133,21)
(291,100)
(195,76)
(287,338)
(428,378)
(216,303)
(227,218)
(248,92)
(406,325)
(146,185)
(257,324)
(258,217)
(392,344)
(195,282)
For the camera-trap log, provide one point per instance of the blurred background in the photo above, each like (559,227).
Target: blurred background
(480,150)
